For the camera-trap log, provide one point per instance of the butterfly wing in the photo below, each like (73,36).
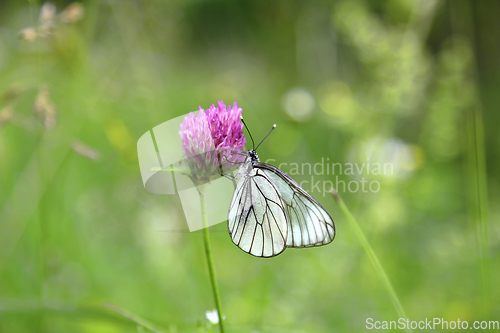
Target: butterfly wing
(309,224)
(257,219)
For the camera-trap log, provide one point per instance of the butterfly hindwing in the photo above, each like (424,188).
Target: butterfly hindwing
(308,222)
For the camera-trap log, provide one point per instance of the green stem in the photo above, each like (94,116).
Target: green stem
(371,254)
(478,198)
(476,173)
(210,261)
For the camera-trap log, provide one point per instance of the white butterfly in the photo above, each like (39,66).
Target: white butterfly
(270,211)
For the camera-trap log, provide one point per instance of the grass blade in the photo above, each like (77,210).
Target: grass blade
(136,319)
(373,257)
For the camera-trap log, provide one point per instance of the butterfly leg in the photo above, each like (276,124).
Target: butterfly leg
(221,171)
(231,178)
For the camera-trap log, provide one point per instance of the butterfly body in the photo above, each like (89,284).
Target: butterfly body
(270,212)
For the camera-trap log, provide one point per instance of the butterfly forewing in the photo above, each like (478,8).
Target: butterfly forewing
(270,211)
(257,220)
(308,222)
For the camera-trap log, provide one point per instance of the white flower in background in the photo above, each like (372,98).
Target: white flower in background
(213,316)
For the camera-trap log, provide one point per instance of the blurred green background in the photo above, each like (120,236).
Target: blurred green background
(412,83)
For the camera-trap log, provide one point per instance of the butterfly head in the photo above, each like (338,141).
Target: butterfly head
(253,155)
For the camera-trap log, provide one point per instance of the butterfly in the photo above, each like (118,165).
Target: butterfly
(270,211)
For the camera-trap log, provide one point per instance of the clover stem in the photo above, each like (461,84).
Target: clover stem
(210,261)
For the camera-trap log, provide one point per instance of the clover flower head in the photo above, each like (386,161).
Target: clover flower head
(213,139)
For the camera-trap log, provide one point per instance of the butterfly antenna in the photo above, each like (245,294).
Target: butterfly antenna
(253,143)
(274,126)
